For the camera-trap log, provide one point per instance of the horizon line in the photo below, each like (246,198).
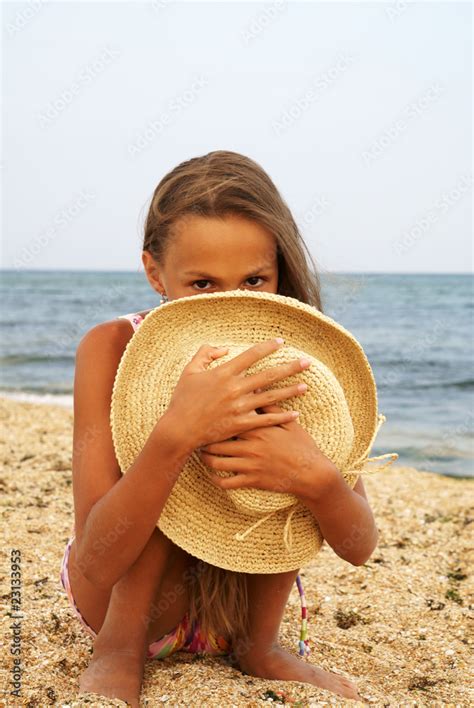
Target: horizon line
(320,273)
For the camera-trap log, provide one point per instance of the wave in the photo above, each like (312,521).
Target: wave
(51,388)
(64,400)
(405,362)
(463,384)
(10,359)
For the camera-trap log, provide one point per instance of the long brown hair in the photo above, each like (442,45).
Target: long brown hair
(215,185)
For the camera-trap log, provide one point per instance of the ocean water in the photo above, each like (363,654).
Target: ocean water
(416,330)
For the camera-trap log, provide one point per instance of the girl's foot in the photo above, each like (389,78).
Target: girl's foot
(277,663)
(115,673)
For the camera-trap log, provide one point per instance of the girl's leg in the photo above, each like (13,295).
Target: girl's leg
(259,653)
(116,667)
(93,601)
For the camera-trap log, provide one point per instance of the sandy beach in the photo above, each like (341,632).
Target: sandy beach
(398,626)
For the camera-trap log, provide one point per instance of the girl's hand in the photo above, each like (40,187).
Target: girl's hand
(279,458)
(215,404)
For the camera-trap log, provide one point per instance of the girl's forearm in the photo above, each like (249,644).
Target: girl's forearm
(345,519)
(120,524)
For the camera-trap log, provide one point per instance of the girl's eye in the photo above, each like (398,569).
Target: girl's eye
(200,281)
(255,277)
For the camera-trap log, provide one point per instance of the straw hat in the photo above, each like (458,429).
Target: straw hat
(247,530)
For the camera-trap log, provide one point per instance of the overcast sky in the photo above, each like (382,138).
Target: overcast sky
(360,113)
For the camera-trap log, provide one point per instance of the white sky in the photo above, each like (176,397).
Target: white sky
(100,100)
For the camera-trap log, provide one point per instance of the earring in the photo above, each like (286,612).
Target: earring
(164,297)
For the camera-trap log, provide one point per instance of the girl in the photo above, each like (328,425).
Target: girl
(215,222)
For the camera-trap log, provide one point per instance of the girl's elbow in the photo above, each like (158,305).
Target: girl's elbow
(97,580)
(91,572)
(360,559)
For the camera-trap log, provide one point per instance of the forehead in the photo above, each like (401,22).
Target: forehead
(205,243)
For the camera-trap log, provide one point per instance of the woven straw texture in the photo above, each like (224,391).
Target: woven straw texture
(339,410)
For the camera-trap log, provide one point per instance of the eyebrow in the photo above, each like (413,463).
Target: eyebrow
(195,273)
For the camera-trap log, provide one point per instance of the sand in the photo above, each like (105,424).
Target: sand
(398,625)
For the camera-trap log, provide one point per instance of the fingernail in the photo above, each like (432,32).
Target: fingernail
(279,340)
(295,414)
(302,387)
(305,362)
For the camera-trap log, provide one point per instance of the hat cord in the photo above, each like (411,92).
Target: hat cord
(287,532)
(392,455)
(360,462)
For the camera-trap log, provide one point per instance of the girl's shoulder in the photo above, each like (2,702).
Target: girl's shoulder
(111,335)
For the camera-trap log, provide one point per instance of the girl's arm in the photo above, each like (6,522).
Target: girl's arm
(115,514)
(345,518)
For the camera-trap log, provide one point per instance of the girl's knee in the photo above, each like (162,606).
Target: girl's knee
(174,556)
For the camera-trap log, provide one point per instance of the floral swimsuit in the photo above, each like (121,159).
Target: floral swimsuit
(186,636)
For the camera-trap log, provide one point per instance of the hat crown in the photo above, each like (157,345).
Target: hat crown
(323,413)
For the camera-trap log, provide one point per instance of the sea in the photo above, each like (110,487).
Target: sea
(416,330)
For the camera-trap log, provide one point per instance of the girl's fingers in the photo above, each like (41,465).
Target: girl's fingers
(283,415)
(231,448)
(223,464)
(279,413)
(238,480)
(203,357)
